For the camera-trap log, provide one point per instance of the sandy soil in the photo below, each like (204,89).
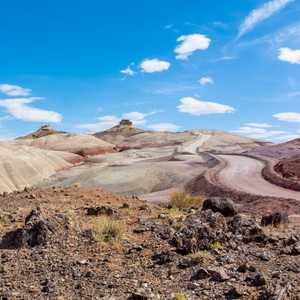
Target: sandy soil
(244,174)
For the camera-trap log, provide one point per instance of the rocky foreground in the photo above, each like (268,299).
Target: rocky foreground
(76,243)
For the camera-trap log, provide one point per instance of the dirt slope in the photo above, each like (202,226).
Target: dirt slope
(22,166)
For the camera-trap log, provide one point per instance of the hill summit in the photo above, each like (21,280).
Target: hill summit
(125,126)
(43,131)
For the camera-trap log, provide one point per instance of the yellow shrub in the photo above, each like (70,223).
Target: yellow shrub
(184,200)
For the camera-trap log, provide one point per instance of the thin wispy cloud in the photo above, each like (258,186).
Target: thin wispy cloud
(206,80)
(260,131)
(292,117)
(164,127)
(14,90)
(128,71)
(261,13)
(106,122)
(259,125)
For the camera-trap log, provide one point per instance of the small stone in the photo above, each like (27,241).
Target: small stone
(219,275)
(193,286)
(237,291)
(243,268)
(260,280)
(201,274)
(296,249)
(265,256)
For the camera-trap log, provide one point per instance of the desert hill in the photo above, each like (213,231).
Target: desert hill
(153,162)
(23,166)
(278,151)
(78,143)
(43,131)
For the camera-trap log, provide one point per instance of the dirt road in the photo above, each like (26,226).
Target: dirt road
(244,174)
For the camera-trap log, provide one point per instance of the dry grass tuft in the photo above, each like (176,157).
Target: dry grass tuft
(107,230)
(201,257)
(181,199)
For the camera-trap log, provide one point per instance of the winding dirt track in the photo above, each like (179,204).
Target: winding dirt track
(244,174)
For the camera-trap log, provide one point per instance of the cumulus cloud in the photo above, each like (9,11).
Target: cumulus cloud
(154,65)
(14,90)
(290,56)
(191,43)
(288,117)
(164,127)
(197,107)
(206,80)
(260,125)
(128,71)
(19,109)
(260,14)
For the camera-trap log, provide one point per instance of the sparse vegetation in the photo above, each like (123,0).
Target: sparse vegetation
(201,257)
(179,296)
(172,212)
(216,245)
(279,232)
(105,229)
(181,200)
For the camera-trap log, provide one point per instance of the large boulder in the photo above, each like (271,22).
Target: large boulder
(225,206)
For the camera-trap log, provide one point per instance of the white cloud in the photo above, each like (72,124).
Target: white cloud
(14,90)
(106,122)
(128,71)
(205,80)
(164,127)
(191,43)
(18,109)
(100,126)
(287,137)
(290,56)
(258,133)
(154,65)
(260,125)
(288,117)
(197,107)
(261,13)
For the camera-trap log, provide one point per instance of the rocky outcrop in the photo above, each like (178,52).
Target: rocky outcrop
(204,230)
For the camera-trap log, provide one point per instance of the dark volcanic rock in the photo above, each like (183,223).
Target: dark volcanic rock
(202,230)
(223,205)
(100,210)
(276,220)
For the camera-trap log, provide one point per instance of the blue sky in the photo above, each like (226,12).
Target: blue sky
(167,65)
